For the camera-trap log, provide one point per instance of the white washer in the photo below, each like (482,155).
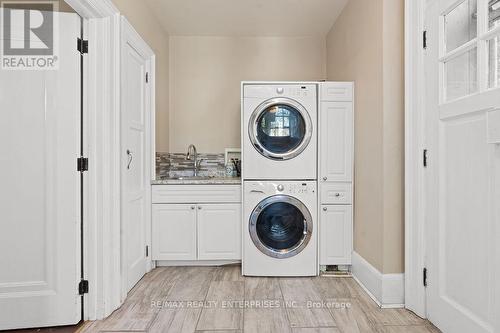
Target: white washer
(279,131)
(280,228)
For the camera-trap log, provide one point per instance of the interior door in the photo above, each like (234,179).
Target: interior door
(136,202)
(40,189)
(462,175)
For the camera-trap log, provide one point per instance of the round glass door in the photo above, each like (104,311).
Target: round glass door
(280,128)
(280,226)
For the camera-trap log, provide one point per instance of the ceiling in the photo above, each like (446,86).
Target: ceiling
(247,17)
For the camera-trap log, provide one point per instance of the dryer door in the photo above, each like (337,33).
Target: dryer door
(280,128)
(281,226)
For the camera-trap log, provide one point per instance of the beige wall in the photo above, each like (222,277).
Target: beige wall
(205,76)
(365,45)
(143,20)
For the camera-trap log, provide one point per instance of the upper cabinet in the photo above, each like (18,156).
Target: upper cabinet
(336,141)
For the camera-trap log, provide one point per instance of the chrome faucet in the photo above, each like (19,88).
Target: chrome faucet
(192,152)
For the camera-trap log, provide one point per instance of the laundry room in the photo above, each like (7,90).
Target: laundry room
(250,166)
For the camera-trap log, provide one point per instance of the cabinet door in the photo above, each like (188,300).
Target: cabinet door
(219,231)
(336,141)
(335,235)
(174,232)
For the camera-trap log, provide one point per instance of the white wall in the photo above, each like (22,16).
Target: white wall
(205,76)
(365,45)
(143,20)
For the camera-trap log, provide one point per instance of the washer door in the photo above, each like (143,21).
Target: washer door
(281,226)
(280,128)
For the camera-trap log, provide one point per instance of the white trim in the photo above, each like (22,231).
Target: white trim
(387,290)
(414,146)
(102,146)
(93,8)
(101,116)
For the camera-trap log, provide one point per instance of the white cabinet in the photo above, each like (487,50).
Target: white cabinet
(219,231)
(208,228)
(336,161)
(336,235)
(336,141)
(174,232)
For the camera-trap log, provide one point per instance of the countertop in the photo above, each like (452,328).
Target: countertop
(197,181)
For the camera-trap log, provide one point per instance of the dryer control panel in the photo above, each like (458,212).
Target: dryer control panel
(285,90)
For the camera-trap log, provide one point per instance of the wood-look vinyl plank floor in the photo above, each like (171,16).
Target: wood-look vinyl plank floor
(219,299)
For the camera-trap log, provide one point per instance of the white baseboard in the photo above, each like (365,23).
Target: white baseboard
(387,290)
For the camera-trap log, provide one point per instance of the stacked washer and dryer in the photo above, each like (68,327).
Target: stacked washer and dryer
(279,171)
(281,195)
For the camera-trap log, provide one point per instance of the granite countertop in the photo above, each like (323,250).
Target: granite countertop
(197,181)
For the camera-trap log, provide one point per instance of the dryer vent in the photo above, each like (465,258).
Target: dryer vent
(336,270)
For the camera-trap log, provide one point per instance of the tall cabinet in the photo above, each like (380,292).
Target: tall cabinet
(336,160)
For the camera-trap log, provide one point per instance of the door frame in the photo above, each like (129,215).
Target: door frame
(102,186)
(415,295)
(130,34)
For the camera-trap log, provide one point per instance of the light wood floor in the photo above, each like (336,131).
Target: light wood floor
(199,299)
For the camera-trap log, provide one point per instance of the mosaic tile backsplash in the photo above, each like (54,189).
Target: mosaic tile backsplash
(173,165)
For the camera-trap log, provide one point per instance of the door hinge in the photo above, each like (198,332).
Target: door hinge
(424,277)
(82,46)
(424,158)
(147,251)
(424,39)
(147,77)
(82,164)
(83,287)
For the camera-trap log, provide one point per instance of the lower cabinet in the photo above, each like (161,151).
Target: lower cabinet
(336,234)
(174,232)
(196,231)
(219,231)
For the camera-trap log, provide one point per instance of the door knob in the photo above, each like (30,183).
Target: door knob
(130,158)
(325,178)
(325,209)
(199,207)
(192,207)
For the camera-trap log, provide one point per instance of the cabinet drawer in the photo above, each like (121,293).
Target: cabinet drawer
(196,193)
(337,91)
(336,193)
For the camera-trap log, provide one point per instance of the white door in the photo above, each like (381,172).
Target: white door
(335,235)
(135,129)
(336,141)
(462,176)
(40,190)
(174,232)
(219,232)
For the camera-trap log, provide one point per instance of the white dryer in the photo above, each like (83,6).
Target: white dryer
(279,131)
(280,228)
